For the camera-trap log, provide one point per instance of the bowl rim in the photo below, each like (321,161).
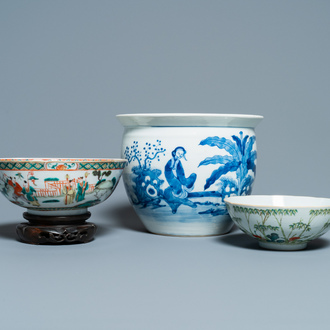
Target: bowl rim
(189,119)
(292,206)
(56,159)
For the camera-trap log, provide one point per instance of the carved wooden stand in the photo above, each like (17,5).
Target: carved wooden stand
(56,229)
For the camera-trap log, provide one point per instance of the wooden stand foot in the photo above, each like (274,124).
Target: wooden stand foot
(56,229)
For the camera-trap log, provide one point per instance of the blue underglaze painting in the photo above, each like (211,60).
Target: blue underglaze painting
(241,159)
(172,187)
(147,189)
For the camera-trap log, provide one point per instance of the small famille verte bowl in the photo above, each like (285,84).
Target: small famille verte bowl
(58,191)
(281,222)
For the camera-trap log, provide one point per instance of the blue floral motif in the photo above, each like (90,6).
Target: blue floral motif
(147,182)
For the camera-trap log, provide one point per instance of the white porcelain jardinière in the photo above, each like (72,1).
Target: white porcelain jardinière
(281,222)
(182,166)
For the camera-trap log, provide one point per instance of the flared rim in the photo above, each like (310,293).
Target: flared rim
(279,201)
(50,159)
(190,119)
(61,164)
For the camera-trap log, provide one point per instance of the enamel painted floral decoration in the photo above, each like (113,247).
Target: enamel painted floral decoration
(57,194)
(182,166)
(281,222)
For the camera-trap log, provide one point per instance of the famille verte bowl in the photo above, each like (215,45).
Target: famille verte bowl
(281,222)
(182,166)
(58,190)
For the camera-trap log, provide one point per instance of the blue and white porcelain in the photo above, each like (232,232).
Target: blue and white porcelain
(182,166)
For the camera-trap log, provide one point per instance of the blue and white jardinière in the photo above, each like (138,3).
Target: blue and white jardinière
(182,166)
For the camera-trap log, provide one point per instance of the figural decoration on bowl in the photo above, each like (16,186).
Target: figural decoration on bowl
(182,166)
(281,222)
(58,191)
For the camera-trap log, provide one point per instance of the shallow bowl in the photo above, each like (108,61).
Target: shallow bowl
(281,222)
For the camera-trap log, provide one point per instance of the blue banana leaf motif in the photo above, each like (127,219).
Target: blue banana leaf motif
(240,159)
(223,169)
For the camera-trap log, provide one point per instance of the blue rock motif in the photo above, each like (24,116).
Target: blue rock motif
(147,182)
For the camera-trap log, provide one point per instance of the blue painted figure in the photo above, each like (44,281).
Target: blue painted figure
(180,186)
(175,176)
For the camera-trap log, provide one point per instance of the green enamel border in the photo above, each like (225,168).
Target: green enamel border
(289,212)
(41,166)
